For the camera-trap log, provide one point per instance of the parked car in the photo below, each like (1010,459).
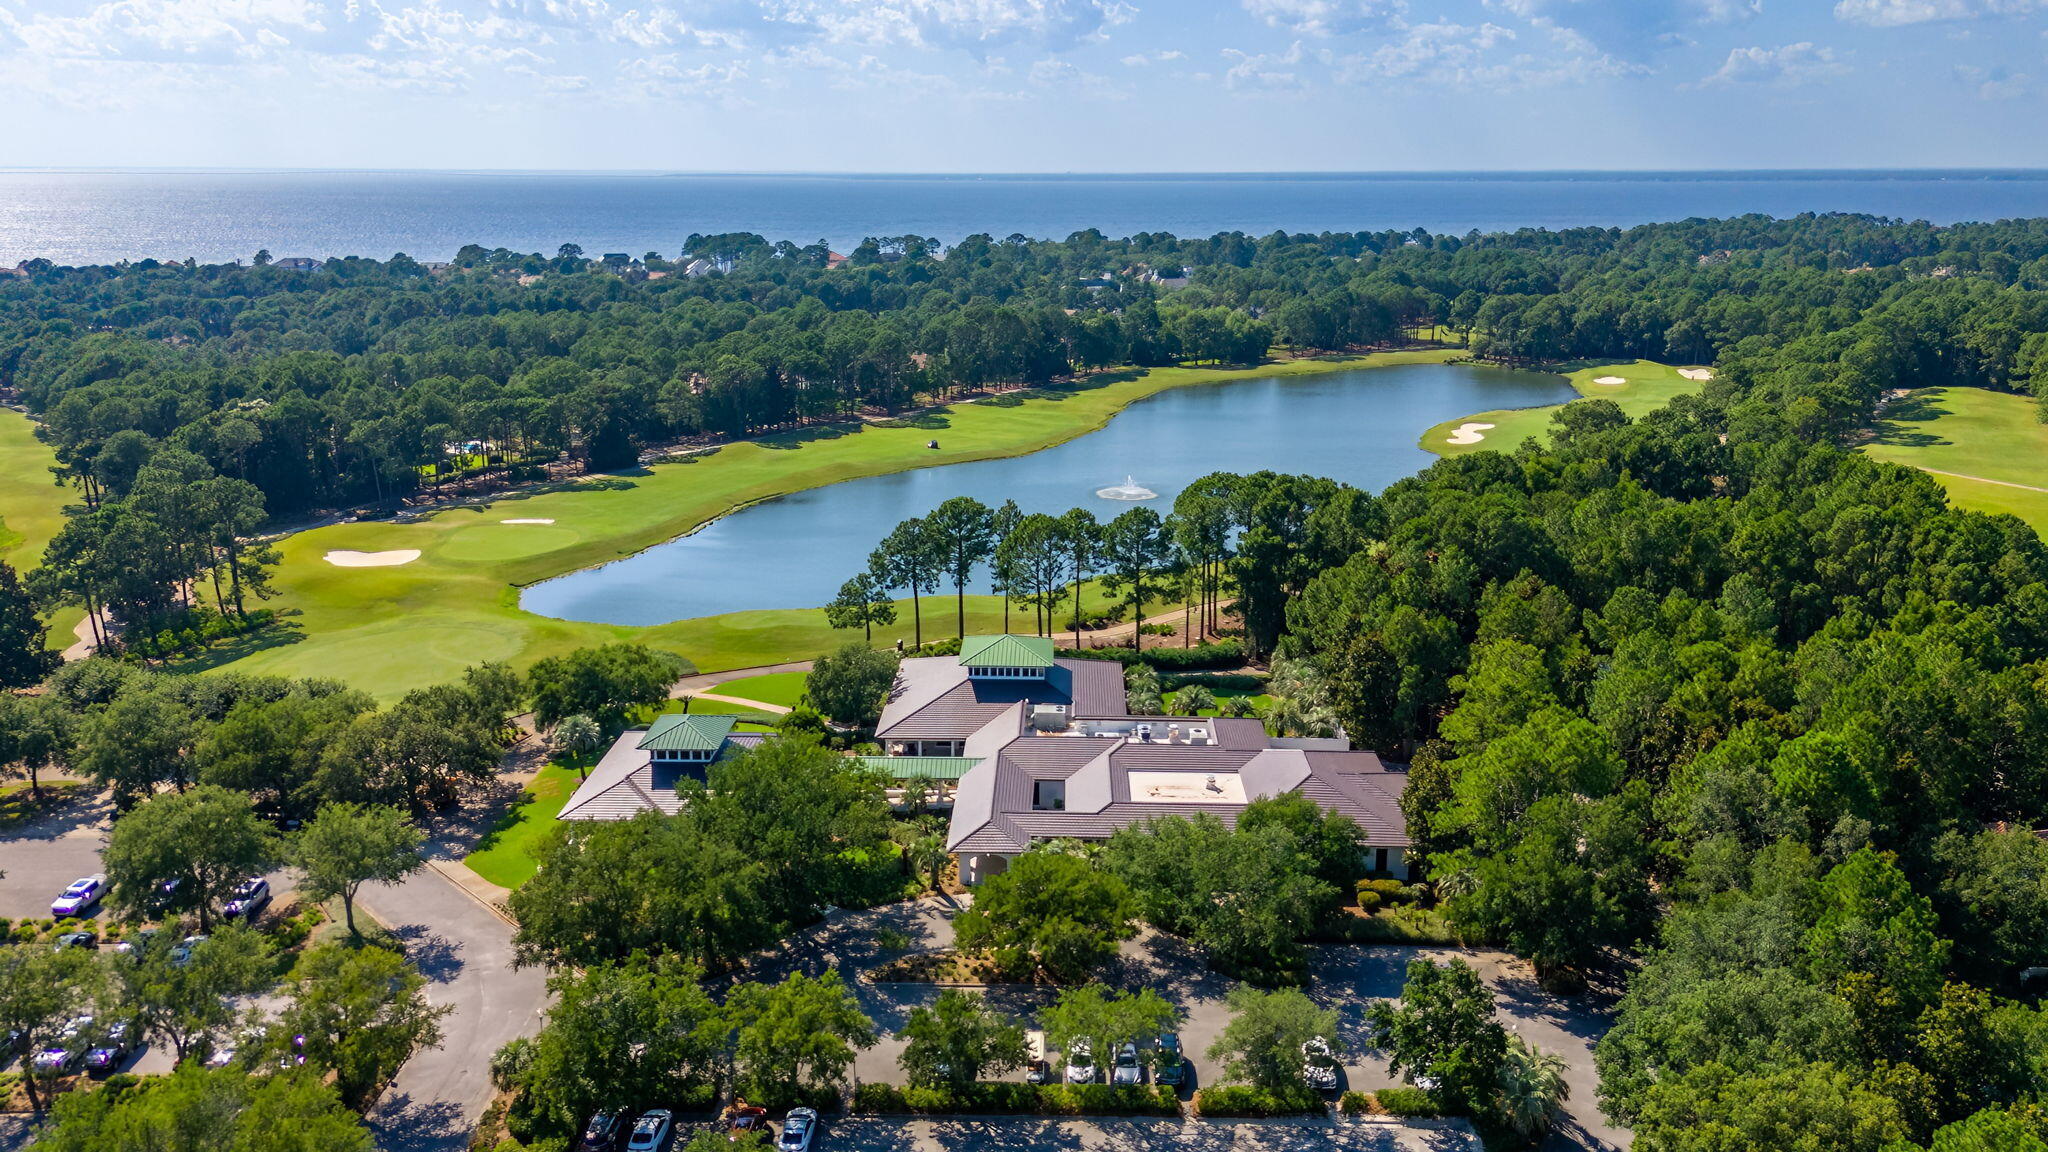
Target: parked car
(1036,1069)
(181,953)
(1080,1063)
(1318,1064)
(1126,1071)
(651,1131)
(112,1047)
(743,1118)
(799,1128)
(226,1054)
(75,940)
(165,897)
(247,900)
(602,1133)
(1169,1066)
(134,946)
(66,1054)
(82,894)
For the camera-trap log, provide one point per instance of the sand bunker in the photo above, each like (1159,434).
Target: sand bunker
(345,558)
(528,520)
(1697,373)
(1609,380)
(1468,433)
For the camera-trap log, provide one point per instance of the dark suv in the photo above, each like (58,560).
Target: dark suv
(1169,1066)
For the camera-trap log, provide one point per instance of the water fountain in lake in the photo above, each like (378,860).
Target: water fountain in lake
(1128,490)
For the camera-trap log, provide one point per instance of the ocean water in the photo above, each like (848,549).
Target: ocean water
(76,217)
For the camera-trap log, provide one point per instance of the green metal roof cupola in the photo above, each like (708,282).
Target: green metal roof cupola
(1014,657)
(693,737)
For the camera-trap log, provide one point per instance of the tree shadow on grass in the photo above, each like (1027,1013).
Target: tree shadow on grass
(1916,408)
(798,437)
(276,634)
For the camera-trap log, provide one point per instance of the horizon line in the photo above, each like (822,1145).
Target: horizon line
(1337,173)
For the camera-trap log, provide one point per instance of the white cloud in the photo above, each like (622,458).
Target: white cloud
(1899,13)
(1993,83)
(1786,66)
(1141,59)
(1328,17)
(1726,11)
(155,28)
(977,26)
(1270,71)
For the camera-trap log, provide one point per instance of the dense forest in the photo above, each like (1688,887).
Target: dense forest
(1706,702)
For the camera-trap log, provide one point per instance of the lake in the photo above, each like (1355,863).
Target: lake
(101,216)
(1358,426)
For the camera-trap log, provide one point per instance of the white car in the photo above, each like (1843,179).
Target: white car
(1080,1063)
(181,954)
(1318,1064)
(248,899)
(82,894)
(67,1052)
(799,1128)
(650,1131)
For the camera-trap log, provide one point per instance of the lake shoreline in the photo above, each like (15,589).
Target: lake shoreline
(1241,421)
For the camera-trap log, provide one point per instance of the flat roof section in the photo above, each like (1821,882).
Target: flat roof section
(1156,787)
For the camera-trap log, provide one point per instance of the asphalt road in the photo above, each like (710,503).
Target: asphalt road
(465,951)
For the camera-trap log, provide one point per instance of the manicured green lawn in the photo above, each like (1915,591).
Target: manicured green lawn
(784,688)
(1991,436)
(505,855)
(1648,386)
(31,506)
(388,630)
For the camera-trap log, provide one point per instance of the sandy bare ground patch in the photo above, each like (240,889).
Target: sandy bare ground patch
(1467,433)
(528,520)
(1697,373)
(1610,380)
(348,558)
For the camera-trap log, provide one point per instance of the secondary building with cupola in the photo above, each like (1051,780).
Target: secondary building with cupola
(1025,745)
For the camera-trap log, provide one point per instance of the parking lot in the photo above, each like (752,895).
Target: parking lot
(1344,977)
(897,1134)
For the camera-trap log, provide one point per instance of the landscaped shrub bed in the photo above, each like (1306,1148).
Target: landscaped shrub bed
(1243,1100)
(1410,1102)
(1213,681)
(1019,1099)
(1215,654)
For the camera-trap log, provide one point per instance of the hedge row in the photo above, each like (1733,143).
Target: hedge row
(1215,654)
(1243,1100)
(1250,682)
(1409,1103)
(1021,1099)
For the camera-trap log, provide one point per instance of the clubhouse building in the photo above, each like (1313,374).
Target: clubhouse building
(1044,748)
(1029,747)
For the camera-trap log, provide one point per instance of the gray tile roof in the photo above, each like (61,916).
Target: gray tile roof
(934,699)
(992,809)
(627,781)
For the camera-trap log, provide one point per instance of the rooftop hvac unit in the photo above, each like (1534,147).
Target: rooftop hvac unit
(1143,733)
(1049,717)
(1198,735)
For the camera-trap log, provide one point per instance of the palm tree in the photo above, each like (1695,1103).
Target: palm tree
(579,736)
(1531,1088)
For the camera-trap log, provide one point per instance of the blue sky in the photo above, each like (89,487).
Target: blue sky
(1024,85)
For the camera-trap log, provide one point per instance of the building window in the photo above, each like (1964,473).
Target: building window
(1049,796)
(1379,859)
